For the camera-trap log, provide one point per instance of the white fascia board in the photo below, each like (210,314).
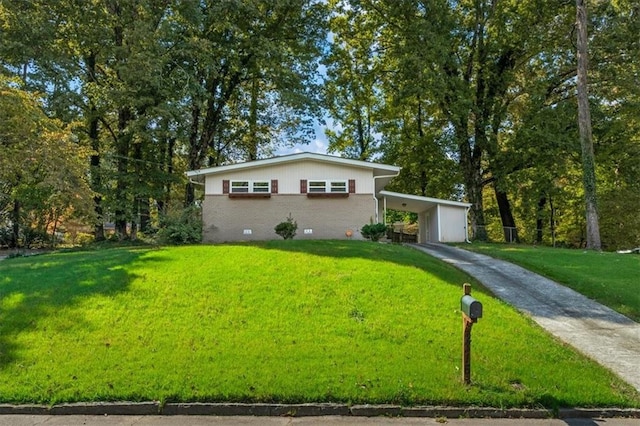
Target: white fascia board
(383,168)
(426,199)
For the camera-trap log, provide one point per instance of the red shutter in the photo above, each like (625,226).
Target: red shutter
(274,186)
(303,186)
(352,186)
(225,186)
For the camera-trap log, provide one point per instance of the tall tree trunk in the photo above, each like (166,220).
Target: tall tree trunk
(253,121)
(195,153)
(472,173)
(164,201)
(123,207)
(140,191)
(473,182)
(145,214)
(423,173)
(586,140)
(96,179)
(539,219)
(15,219)
(552,221)
(508,222)
(472,148)
(94,136)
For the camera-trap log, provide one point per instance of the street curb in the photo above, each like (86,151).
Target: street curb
(307,410)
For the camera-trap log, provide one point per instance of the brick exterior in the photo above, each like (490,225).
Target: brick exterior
(226,218)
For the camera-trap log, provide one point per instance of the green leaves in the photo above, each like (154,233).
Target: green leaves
(468,95)
(43,170)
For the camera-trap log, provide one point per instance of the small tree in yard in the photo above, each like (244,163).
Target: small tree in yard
(287,229)
(374,231)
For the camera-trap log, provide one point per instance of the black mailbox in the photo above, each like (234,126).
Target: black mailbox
(471,307)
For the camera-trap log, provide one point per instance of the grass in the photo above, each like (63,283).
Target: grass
(612,279)
(283,321)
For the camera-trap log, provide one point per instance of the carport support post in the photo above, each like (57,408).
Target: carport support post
(467,323)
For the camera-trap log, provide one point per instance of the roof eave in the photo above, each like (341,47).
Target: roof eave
(428,199)
(383,168)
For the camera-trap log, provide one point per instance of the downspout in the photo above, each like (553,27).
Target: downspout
(466,225)
(374,192)
(196,183)
(384,209)
(439,223)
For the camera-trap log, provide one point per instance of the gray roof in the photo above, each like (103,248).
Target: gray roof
(378,168)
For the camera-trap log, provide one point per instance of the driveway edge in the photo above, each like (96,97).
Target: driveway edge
(306,410)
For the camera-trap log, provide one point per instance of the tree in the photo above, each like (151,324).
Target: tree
(460,66)
(42,169)
(352,92)
(252,67)
(586,138)
(167,85)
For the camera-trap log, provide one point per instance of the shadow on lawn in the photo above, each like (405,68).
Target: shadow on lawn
(373,251)
(28,298)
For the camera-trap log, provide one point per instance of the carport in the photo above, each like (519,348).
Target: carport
(439,220)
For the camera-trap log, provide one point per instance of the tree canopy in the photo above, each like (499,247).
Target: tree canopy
(476,100)
(42,169)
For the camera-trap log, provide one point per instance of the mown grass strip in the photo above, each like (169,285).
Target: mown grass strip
(283,321)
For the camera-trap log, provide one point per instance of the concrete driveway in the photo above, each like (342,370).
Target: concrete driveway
(606,336)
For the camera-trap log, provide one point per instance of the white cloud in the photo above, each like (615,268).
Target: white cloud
(318,146)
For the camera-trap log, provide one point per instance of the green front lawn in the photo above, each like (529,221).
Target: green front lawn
(612,279)
(285,321)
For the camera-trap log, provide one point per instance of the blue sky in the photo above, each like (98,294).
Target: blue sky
(318,145)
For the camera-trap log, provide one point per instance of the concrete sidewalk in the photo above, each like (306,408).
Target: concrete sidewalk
(606,336)
(23,420)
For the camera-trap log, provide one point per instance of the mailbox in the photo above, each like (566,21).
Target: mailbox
(471,307)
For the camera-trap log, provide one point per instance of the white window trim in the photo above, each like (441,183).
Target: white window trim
(327,186)
(251,186)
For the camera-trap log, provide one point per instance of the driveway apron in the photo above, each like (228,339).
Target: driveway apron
(606,336)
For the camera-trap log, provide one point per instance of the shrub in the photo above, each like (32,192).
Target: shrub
(287,229)
(6,236)
(374,231)
(181,227)
(80,238)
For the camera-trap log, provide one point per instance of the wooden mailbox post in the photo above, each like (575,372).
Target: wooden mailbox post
(471,312)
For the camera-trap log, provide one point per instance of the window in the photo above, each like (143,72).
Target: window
(262,186)
(339,186)
(327,186)
(239,186)
(250,187)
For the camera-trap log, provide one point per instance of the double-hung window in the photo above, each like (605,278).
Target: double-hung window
(327,186)
(250,187)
